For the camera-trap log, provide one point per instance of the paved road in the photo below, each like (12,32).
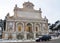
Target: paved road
(52,41)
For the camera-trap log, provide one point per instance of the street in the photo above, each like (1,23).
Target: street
(52,41)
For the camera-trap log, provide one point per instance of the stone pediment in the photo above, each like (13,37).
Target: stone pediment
(26,12)
(28,5)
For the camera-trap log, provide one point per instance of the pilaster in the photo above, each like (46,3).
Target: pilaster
(25,34)
(34,30)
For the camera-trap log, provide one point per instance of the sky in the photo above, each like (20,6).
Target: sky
(50,8)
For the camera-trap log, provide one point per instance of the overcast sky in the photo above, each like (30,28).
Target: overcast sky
(50,8)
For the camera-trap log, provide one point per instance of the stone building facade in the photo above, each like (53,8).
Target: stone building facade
(26,23)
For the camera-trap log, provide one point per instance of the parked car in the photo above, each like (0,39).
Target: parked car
(44,38)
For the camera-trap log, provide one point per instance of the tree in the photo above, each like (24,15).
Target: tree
(52,27)
(57,21)
(57,27)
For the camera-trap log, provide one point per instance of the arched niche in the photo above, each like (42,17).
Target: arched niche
(19,27)
(37,27)
(37,30)
(28,27)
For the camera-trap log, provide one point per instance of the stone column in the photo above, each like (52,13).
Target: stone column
(3,35)
(6,36)
(32,28)
(41,29)
(23,30)
(34,31)
(14,26)
(46,26)
(25,36)
(14,36)
(23,27)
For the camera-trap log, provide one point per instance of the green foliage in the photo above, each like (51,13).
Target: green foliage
(55,26)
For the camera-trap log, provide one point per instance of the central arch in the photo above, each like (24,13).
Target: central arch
(29,31)
(19,27)
(28,27)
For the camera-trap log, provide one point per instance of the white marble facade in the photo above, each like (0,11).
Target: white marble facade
(26,23)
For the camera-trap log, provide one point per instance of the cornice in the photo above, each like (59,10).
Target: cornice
(26,9)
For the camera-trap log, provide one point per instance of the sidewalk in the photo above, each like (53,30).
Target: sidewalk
(55,37)
(17,40)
